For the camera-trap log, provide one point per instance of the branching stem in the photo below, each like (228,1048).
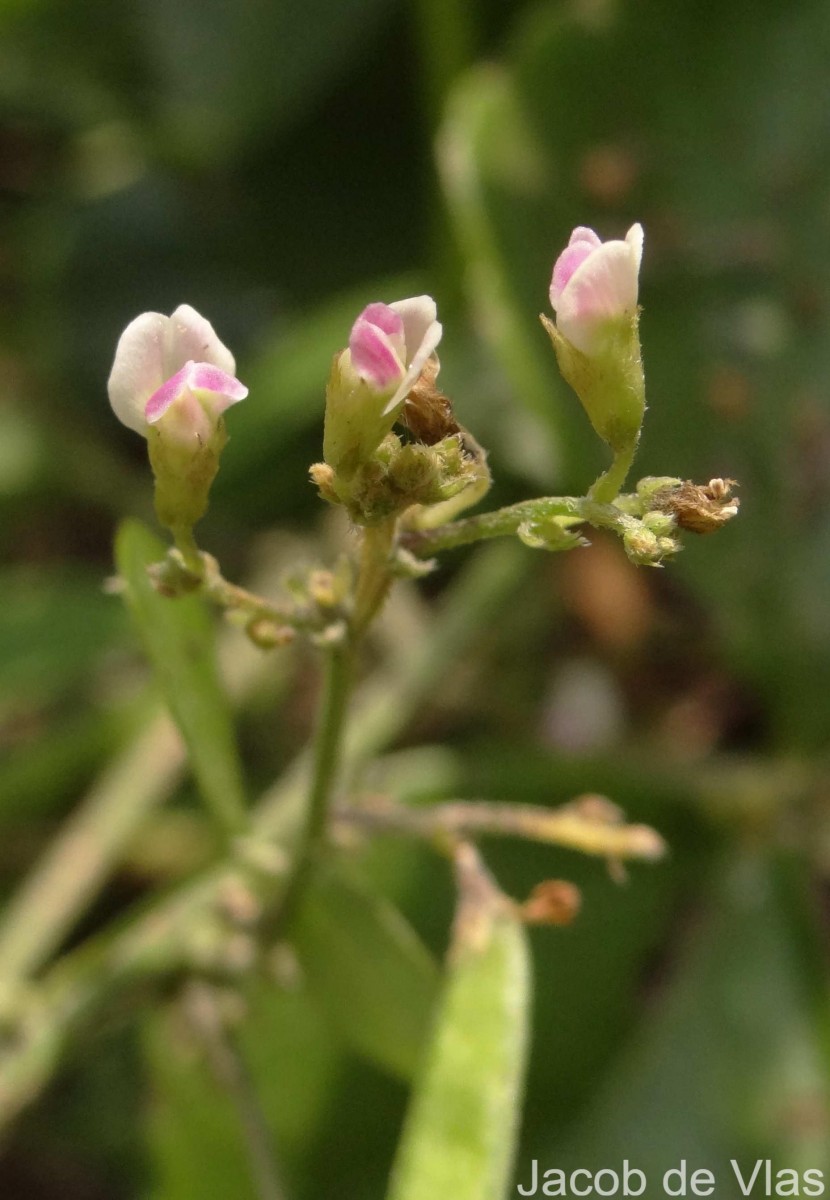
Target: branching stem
(504,522)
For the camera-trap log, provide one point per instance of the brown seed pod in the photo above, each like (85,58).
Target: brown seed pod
(701,508)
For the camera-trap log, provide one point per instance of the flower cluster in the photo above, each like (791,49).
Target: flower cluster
(173,379)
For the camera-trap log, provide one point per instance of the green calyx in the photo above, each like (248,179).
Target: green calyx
(355,423)
(184,472)
(397,476)
(609,383)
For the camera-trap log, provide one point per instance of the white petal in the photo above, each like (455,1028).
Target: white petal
(603,288)
(417,313)
(634,238)
(138,369)
(429,342)
(191,337)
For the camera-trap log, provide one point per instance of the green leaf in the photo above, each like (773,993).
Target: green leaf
(484,147)
(194,1131)
(368,968)
(730,1061)
(53,626)
(178,636)
(252,65)
(460,1132)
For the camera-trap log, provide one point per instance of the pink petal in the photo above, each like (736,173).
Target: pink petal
(382,316)
(218,390)
(603,288)
(152,349)
(583,234)
(373,355)
(572,256)
(187,421)
(205,377)
(164,396)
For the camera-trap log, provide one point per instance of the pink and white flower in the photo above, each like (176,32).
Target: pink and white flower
(390,344)
(594,286)
(173,372)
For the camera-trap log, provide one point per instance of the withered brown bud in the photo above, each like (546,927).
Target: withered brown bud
(700,508)
(552,902)
(427,413)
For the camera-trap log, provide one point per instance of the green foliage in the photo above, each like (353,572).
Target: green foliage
(179,638)
(734,1060)
(367,969)
(196,1142)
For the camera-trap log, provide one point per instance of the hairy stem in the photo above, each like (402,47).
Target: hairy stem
(606,489)
(328,744)
(374,579)
(373,582)
(504,522)
(188,548)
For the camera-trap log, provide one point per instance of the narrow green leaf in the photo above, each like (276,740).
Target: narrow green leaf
(195,1140)
(178,636)
(54,626)
(460,1133)
(730,1059)
(368,968)
(488,159)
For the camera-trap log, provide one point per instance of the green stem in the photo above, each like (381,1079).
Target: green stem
(375,578)
(225,594)
(606,489)
(506,521)
(189,550)
(602,833)
(373,583)
(328,752)
(327,746)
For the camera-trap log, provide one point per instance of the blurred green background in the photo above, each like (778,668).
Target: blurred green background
(278,165)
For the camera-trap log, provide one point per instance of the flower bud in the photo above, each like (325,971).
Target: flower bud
(593,292)
(646,548)
(389,346)
(171,381)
